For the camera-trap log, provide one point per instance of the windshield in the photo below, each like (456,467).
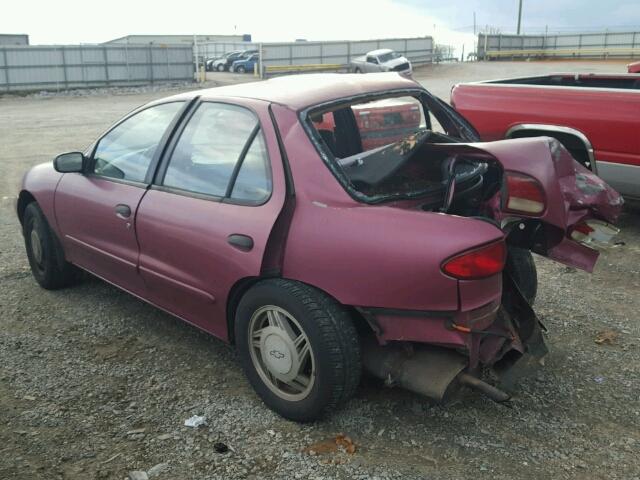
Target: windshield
(382,149)
(385,57)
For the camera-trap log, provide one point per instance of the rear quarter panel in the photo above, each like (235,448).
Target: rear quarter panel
(372,256)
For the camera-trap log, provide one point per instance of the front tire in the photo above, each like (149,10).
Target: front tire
(241,69)
(45,254)
(220,68)
(298,347)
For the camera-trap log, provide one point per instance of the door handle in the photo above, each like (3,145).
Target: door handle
(241,242)
(123,211)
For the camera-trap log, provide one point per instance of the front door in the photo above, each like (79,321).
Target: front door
(204,225)
(96,210)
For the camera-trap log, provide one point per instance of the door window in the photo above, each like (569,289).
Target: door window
(207,155)
(253,183)
(126,151)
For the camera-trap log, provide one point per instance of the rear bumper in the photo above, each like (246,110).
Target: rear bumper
(455,330)
(505,328)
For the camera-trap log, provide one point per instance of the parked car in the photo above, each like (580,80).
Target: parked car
(210,63)
(220,64)
(382,60)
(595,116)
(224,64)
(246,64)
(315,256)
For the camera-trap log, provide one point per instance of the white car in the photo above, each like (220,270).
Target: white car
(382,60)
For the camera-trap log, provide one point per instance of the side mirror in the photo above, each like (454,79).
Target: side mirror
(69,162)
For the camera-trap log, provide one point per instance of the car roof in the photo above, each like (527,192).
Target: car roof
(380,51)
(306,90)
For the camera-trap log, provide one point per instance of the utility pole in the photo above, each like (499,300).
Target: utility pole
(474,23)
(519,16)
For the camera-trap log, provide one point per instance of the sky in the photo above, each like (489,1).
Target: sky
(449,21)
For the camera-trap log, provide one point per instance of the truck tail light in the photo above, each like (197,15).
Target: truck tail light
(479,263)
(524,194)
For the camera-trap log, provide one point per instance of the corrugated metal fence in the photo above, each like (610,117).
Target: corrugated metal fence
(586,45)
(217,49)
(417,50)
(76,66)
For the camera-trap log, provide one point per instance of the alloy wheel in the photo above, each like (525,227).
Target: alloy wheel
(281,353)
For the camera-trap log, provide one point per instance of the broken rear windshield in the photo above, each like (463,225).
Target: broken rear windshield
(382,149)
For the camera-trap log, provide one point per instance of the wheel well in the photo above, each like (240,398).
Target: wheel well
(576,145)
(235,295)
(24,199)
(243,285)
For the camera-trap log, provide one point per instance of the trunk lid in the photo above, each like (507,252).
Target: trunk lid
(573,196)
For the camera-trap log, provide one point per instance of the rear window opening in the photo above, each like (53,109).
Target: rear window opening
(394,148)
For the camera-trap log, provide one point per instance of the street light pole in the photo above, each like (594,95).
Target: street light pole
(519,16)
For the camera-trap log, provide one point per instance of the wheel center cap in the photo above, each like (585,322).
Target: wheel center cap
(277,354)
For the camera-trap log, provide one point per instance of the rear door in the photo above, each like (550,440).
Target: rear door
(204,224)
(96,209)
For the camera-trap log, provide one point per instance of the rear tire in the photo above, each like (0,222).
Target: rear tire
(220,68)
(45,254)
(301,384)
(522,267)
(241,69)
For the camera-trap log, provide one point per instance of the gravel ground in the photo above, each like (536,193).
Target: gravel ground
(96,384)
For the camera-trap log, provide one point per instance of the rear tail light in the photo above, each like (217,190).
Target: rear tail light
(524,194)
(479,263)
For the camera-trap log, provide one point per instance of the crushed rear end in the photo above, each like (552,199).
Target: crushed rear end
(530,192)
(545,202)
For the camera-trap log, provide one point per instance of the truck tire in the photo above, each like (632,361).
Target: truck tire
(45,254)
(522,268)
(357,70)
(241,69)
(298,348)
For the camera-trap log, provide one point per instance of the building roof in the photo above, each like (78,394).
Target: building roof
(301,91)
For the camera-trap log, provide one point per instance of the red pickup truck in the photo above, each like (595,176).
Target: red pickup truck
(595,116)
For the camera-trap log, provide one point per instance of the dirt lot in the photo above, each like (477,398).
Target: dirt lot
(95,384)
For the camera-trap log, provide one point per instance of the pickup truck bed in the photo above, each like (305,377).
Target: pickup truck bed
(597,117)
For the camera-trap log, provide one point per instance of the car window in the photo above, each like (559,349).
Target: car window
(209,148)
(253,183)
(372,60)
(127,150)
(385,57)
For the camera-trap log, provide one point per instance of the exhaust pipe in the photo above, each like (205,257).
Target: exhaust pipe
(490,391)
(426,370)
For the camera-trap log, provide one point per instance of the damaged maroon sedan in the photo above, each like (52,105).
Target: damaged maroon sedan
(324,223)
